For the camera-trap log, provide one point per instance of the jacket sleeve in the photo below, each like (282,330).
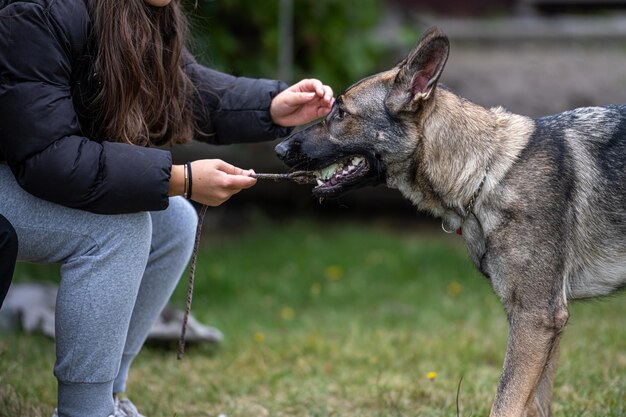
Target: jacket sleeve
(230,109)
(40,135)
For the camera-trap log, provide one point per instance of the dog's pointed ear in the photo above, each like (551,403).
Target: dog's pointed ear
(419,72)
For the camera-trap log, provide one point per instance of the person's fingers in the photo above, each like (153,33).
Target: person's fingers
(249,183)
(228,168)
(308,84)
(313,85)
(328,94)
(236,177)
(239,182)
(319,88)
(322,111)
(297,99)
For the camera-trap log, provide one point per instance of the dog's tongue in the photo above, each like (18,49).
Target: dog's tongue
(329,171)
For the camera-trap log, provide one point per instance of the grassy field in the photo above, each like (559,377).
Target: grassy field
(339,319)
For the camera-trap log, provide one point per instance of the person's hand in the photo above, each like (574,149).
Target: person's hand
(213,181)
(301,103)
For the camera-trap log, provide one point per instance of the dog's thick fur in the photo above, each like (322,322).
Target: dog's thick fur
(541,203)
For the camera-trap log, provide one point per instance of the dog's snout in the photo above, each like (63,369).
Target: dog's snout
(285,148)
(282,149)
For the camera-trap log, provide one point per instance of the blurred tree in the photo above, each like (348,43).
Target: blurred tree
(334,40)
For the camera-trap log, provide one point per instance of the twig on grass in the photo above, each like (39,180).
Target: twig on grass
(458,390)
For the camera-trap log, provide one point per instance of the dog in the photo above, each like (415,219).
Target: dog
(540,203)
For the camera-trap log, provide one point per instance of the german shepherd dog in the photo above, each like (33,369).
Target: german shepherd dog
(541,203)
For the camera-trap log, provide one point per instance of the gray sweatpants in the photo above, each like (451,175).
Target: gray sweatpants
(117,273)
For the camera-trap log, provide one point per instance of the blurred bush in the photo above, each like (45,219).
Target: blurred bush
(334,40)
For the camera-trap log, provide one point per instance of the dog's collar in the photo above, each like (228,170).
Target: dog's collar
(469,207)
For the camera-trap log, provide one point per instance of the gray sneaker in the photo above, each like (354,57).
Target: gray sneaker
(125,408)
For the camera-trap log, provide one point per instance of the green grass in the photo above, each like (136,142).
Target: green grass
(339,320)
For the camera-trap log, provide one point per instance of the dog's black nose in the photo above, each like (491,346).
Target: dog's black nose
(282,149)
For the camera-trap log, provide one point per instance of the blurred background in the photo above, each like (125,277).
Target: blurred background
(534,57)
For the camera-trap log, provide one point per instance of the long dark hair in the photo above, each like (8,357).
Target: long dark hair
(144,96)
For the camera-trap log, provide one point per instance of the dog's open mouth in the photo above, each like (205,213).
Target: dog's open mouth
(338,175)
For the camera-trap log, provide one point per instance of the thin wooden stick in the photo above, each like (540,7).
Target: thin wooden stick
(300,177)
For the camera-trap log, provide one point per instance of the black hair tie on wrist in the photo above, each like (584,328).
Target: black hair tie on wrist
(188,167)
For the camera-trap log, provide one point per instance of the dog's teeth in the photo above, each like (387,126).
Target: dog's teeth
(320,182)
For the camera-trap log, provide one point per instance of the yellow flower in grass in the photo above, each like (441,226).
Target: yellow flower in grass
(333,273)
(431,375)
(287,313)
(316,289)
(454,289)
(259,337)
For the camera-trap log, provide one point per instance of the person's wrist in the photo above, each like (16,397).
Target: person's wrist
(272,111)
(177,180)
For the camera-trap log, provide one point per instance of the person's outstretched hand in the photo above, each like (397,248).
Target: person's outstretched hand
(301,103)
(213,181)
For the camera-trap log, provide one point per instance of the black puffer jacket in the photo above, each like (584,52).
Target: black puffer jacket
(45,69)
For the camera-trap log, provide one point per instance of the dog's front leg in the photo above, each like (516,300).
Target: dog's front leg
(539,405)
(529,365)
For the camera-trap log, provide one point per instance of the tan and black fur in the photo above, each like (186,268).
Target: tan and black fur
(541,203)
